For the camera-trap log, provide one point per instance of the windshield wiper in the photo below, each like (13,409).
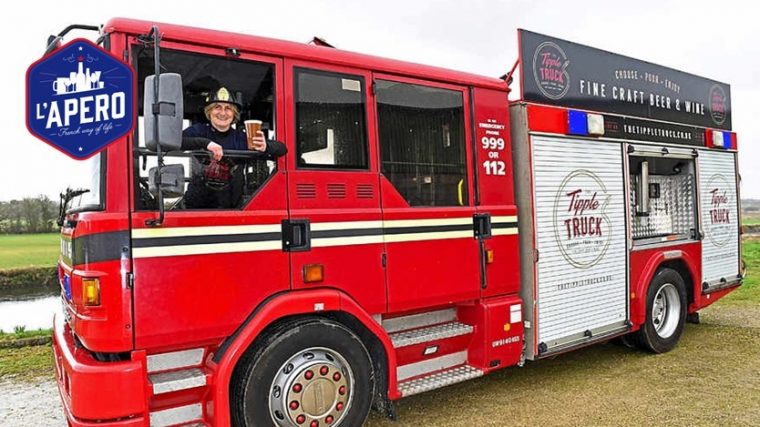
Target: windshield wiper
(64,201)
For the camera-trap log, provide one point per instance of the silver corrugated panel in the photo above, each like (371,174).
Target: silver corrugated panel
(440,379)
(579,201)
(717,187)
(671,213)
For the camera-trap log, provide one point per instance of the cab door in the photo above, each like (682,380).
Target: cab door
(494,194)
(335,224)
(200,274)
(433,256)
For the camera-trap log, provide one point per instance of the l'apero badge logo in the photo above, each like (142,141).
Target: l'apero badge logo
(79,99)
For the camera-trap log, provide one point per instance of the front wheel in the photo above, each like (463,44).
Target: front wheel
(666,312)
(310,372)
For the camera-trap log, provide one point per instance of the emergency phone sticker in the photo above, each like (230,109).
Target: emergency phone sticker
(79,99)
(493,142)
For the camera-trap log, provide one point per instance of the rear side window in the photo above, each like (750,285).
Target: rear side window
(422,142)
(331,129)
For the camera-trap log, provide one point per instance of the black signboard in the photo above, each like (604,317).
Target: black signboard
(629,128)
(559,72)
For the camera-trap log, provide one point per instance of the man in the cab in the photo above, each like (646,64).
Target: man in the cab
(216,185)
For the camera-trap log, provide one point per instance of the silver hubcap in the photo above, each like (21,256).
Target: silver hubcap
(312,388)
(666,310)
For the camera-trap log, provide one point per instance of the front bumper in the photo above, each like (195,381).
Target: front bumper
(98,393)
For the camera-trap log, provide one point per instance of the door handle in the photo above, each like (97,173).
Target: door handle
(482,225)
(296,235)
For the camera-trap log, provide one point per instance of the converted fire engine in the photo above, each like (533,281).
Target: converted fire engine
(420,231)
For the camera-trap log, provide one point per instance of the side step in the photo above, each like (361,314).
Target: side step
(430,333)
(438,379)
(414,321)
(167,382)
(180,415)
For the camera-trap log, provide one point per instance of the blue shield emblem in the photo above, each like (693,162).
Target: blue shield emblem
(79,99)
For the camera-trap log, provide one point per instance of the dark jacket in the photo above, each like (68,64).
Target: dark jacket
(197,137)
(213,184)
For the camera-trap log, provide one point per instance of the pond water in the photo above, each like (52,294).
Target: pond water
(31,313)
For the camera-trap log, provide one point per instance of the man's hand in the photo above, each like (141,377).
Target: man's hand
(259,143)
(216,150)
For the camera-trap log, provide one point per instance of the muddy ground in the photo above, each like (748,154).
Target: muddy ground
(711,378)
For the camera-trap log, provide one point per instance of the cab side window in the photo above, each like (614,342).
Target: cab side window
(422,142)
(331,129)
(228,184)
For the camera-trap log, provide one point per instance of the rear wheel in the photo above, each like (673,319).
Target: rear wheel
(310,372)
(665,312)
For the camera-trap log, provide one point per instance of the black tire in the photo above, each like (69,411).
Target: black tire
(264,382)
(665,312)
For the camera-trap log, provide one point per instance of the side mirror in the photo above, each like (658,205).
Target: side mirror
(170,110)
(172,180)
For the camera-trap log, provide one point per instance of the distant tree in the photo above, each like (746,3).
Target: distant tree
(29,215)
(48,212)
(31,211)
(16,214)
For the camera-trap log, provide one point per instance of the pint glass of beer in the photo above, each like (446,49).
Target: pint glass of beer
(252,127)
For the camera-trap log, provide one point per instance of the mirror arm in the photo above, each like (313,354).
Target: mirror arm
(156,72)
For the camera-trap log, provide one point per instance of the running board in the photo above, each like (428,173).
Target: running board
(398,324)
(167,382)
(179,415)
(431,333)
(439,379)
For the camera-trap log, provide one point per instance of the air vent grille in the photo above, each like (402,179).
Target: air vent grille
(306,191)
(365,191)
(336,191)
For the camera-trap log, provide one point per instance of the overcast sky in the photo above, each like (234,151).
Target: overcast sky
(712,39)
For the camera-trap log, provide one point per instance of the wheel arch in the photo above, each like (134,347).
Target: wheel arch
(285,307)
(680,261)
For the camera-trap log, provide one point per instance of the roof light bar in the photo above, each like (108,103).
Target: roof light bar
(720,139)
(584,124)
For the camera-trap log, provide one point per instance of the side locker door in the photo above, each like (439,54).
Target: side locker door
(334,199)
(719,218)
(433,257)
(494,194)
(580,216)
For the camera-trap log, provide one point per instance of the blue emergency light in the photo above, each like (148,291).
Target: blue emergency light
(584,124)
(721,139)
(577,122)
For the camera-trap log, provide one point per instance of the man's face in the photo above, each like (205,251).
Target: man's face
(221,115)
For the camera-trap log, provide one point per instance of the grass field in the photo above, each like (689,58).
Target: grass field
(749,293)
(29,250)
(751,218)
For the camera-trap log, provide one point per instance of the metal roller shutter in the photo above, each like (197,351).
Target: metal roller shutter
(579,202)
(719,210)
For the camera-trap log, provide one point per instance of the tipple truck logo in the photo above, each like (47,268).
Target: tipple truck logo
(718,226)
(581,226)
(717,101)
(79,99)
(550,70)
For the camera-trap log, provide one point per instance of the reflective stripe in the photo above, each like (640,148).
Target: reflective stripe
(179,241)
(144,233)
(214,248)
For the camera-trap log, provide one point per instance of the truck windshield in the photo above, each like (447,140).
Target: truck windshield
(92,181)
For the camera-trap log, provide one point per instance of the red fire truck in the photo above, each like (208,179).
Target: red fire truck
(422,230)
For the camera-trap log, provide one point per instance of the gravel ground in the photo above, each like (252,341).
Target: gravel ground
(601,385)
(30,404)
